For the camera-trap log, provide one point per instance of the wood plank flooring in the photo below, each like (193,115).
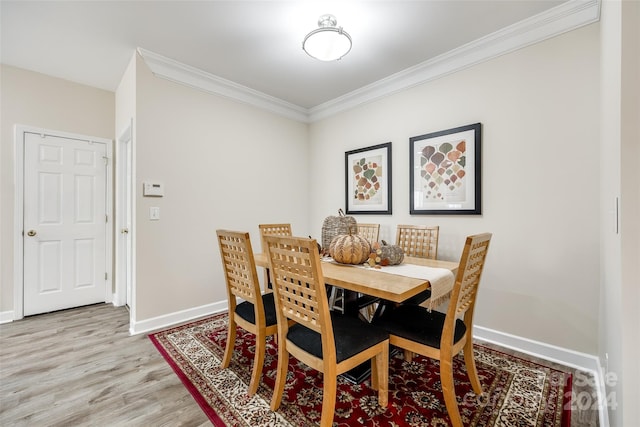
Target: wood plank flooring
(80,367)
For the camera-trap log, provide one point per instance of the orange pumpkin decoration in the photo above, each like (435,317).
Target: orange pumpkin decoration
(349,249)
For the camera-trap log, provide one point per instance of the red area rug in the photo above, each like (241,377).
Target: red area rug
(516,392)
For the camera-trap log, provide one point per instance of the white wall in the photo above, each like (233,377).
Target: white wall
(224,165)
(41,101)
(539,108)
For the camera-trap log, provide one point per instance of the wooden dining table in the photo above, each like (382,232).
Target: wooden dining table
(391,288)
(388,286)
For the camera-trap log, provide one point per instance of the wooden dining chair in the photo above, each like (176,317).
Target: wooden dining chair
(371,232)
(442,336)
(257,313)
(420,241)
(366,304)
(338,297)
(327,342)
(271,230)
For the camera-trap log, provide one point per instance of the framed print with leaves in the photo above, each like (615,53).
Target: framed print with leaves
(446,172)
(368,180)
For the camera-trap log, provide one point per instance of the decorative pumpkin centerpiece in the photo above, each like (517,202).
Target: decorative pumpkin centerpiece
(336,225)
(385,254)
(350,248)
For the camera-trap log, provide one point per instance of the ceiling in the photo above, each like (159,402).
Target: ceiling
(256,44)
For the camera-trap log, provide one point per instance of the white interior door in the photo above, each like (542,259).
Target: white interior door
(65,223)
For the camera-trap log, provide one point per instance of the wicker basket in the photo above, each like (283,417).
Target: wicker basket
(335,225)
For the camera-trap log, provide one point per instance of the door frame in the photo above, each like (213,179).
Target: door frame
(18,211)
(124,217)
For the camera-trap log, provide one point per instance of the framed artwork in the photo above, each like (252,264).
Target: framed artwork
(446,172)
(368,180)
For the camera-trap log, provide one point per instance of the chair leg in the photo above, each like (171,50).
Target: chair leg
(231,339)
(328,400)
(449,392)
(380,376)
(472,372)
(258,362)
(408,355)
(281,376)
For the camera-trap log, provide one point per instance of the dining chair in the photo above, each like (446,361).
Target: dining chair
(370,232)
(420,241)
(366,304)
(442,336)
(325,341)
(257,313)
(271,230)
(338,297)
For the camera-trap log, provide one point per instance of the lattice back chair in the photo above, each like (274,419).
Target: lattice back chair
(257,313)
(271,230)
(329,343)
(370,232)
(442,336)
(365,303)
(419,241)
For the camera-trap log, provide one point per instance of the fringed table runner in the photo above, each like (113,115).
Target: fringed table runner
(440,279)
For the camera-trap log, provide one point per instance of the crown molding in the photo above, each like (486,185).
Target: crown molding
(178,72)
(560,19)
(567,16)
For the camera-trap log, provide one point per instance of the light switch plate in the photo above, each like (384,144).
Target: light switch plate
(154,213)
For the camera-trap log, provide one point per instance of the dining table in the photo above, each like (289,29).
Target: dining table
(386,283)
(382,284)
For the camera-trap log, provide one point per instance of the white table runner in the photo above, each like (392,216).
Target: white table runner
(441,279)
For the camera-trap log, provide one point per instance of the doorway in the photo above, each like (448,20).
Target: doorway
(63,255)
(124,215)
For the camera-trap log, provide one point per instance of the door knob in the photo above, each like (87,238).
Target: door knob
(31,233)
(124,231)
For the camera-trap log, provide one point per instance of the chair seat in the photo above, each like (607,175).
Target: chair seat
(351,334)
(417,324)
(419,298)
(246,311)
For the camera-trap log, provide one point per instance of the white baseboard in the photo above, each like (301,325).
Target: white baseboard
(176,318)
(552,353)
(6,316)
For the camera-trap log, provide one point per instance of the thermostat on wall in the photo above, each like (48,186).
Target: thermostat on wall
(152,189)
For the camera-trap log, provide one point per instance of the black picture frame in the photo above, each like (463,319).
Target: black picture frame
(368,180)
(446,172)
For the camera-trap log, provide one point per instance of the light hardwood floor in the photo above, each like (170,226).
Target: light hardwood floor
(80,367)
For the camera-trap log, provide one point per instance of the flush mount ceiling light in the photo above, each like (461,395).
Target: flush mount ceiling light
(327,43)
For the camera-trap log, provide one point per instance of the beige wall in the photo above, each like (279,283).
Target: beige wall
(539,108)
(224,165)
(41,101)
(630,211)
(125,98)
(620,152)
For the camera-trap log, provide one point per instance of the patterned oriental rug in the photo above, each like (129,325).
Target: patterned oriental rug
(516,392)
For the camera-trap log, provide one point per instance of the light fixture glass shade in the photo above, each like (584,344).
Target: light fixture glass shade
(327,43)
